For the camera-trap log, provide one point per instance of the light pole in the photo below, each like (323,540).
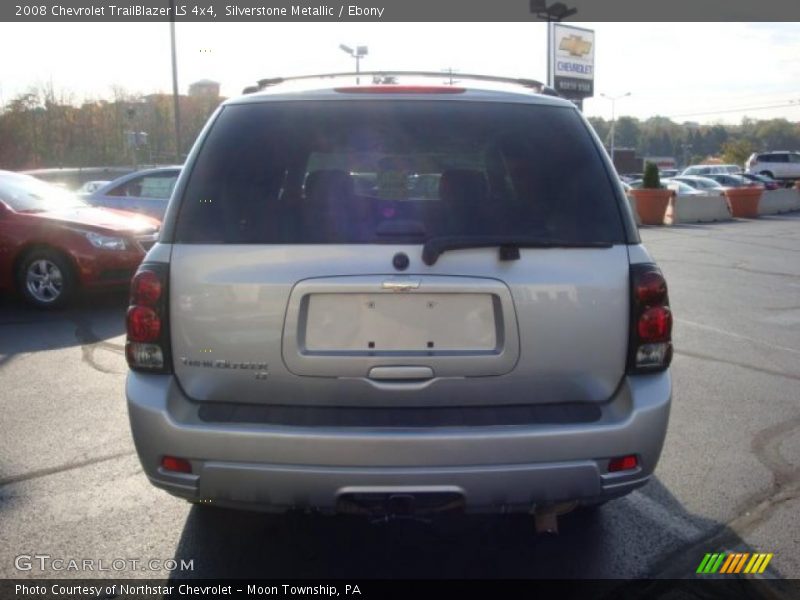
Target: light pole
(555,13)
(175,97)
(359,53)
(449,71)
(613,117)
(686,147)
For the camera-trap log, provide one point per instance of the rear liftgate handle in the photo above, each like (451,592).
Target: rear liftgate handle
(399,374)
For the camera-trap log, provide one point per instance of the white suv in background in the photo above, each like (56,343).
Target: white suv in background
(778,165)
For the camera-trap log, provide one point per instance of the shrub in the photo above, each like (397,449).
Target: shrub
(651,180)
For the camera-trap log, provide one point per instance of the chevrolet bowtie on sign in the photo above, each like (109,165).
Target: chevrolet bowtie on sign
(572,60)
(733,563)
(575,45)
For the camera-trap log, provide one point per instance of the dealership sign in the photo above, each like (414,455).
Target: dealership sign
(571,58)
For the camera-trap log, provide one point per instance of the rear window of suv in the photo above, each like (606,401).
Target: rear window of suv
(775,157)
(386,171)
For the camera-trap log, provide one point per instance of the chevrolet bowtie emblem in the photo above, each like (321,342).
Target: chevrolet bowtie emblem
(400,286)
(575,45)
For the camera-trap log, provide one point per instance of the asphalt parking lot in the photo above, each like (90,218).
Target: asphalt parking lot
(728,480)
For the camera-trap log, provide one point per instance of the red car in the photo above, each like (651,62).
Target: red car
(52,243)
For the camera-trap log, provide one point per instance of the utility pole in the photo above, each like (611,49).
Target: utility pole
(555,13)
(358,53)
(175,97)
(450,71)
(613,100)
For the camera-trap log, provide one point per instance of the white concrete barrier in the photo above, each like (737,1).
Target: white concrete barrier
(700,208)
(778,201)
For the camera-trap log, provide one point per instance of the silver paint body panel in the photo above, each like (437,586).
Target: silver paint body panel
(560,321)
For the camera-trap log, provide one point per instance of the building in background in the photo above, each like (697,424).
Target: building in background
(626,162)
(663,162)
(204,88)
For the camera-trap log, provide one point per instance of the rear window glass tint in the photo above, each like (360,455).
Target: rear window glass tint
(383,171)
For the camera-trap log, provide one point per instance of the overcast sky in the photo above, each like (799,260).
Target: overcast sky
(703,72)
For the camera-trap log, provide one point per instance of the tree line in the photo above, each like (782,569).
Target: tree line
(691,143)
(42,128)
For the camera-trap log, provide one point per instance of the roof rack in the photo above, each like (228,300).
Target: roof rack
(533,84)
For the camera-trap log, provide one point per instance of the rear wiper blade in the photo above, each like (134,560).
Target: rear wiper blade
(509,245)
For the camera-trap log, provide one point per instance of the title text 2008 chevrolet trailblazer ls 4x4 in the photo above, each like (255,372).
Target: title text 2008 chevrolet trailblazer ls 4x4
(399,299)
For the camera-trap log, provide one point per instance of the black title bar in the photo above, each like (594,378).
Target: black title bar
(397,10)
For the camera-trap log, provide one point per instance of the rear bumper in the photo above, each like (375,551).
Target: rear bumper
(497,468)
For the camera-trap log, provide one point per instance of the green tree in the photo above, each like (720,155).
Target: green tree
(736,152)
(601,128)
(627,132)
(777,134)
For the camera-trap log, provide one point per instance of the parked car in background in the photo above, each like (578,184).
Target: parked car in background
(732,181)
(704,184)
(52,243)
(628,177)
(681,189)
(778,165)
(711,170)
(768,182)
(145,191)
(90,187)
(73,178)
(665,173)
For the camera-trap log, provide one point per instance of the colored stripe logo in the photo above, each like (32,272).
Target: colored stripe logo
(735,562)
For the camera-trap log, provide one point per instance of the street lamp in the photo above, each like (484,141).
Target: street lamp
(555,13)
(359,53)
(613,119)
(175,95)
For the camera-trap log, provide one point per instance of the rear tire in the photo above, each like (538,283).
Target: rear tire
(46,279)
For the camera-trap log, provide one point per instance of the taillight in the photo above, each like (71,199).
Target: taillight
(145,288)
(147,345)
(650,345)
(400,89)
(176,465)
(144,325)
(650,288)
(655,324)
(623,463)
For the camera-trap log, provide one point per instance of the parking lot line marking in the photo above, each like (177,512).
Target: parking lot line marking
(738,336)
(736,363)
(61,468)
